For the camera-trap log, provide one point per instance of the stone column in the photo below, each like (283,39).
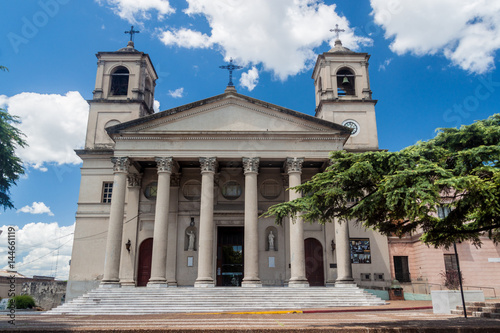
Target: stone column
(344,267)
(172,232)
(297,250)
(251,260)
(206,234)
(115,224)
(128,258)
(160,233)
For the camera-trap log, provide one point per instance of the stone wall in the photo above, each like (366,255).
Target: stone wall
(47,294)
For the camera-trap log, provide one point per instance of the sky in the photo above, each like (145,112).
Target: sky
(433,64)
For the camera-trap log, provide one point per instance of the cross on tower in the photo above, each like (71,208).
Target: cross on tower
(337,30)
(231,67)
(131,33)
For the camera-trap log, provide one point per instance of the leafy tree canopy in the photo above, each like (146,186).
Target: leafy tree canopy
(11,166)
(399,192)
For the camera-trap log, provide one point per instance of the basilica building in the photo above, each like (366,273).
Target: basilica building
(174,198)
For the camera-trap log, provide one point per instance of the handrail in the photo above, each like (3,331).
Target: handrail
(494,292)
(441,287)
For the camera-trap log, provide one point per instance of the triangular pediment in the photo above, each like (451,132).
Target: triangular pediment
(227,113)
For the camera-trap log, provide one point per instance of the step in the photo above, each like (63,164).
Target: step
(189,299)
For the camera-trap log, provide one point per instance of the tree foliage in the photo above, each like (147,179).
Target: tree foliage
(398,192)
(11,166)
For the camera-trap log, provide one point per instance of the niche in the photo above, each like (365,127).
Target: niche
(190,239)
(271,238)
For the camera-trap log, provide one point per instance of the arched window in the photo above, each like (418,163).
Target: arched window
(345,82)
(119,82)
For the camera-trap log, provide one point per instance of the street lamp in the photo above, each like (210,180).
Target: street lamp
(443,212)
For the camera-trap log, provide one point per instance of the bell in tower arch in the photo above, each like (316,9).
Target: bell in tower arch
(345,83)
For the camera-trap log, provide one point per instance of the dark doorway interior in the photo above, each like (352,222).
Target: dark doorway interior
(230,256)
(315,272)
(401,269)
(144,269)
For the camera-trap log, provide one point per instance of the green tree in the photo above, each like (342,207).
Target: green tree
(399,192)
(11,166)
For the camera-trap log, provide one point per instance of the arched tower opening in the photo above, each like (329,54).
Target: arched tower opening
(345,82)
(119,81)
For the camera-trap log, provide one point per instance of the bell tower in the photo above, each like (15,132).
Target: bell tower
(343,95)
(124,90)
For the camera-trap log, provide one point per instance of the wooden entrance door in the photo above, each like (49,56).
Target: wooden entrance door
(145,256)
(315,273)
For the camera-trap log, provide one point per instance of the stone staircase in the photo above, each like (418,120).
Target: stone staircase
(136,301)
(479,309)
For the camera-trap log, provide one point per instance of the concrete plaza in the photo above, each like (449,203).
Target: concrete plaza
(397,316)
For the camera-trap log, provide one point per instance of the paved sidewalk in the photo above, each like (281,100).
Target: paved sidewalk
(398,316)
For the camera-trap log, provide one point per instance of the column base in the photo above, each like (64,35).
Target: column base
(172,284)
(127,284)
(251,284)
(208,283)
(110,284)
(298,283)
(155,284)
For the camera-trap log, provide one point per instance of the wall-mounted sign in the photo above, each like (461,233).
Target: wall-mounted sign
(360,251)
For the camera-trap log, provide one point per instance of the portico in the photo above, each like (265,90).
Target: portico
(213,213)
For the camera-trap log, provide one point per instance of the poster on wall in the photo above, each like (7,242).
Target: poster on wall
(360,251)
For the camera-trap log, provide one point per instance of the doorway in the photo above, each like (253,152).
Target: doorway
(315,273)
(230,256)
(145,256)
(401,269)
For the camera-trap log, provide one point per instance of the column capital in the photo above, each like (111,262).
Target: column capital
(164,164)
(294,164)
(134,179)
(208,164)
(250,165)
(120,164)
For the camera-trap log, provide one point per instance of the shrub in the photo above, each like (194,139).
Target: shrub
(22,302)
(451,279)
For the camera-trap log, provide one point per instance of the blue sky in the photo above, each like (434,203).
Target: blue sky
(426,71)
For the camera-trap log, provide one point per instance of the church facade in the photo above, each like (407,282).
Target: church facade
(174,198)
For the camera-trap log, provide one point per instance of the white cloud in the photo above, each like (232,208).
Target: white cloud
(41,249)
(250,79)
(136,10)
(36,208)
(156,106)
(384,65)
(281,34)
(177,93)
(186,38)
(467,32)
(54,125)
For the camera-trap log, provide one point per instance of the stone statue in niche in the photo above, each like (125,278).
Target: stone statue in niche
(270,239)
(191,238)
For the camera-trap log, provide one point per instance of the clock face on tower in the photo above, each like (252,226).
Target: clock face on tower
(353,125)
